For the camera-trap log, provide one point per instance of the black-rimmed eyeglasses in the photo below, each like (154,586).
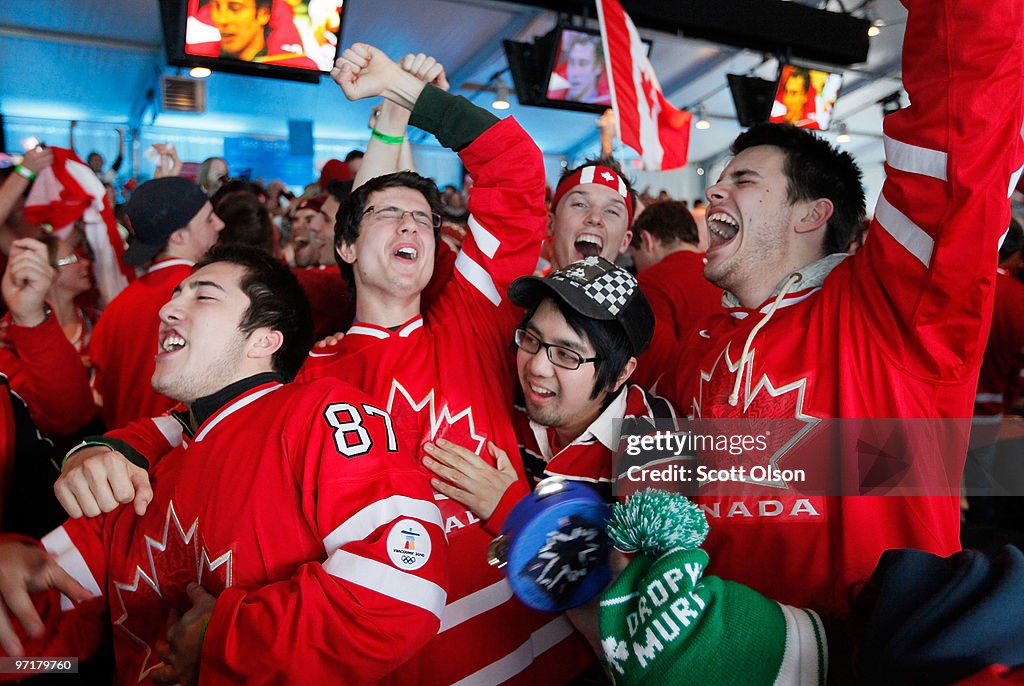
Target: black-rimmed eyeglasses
(557,355)
(428,220)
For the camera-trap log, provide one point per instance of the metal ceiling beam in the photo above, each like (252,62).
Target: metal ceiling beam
(8,31)
(789,28)
(490,49)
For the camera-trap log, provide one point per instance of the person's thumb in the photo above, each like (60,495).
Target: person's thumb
(501,460)
(143,492)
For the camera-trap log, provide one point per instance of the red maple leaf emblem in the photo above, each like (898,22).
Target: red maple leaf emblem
(174,560)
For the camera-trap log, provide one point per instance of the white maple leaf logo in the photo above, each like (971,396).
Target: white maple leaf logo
(760,402)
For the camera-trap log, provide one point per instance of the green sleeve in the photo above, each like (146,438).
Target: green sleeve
(454,121)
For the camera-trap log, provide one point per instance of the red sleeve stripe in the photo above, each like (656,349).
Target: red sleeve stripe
(485,240)
(363,523)
(388,581)
(478,277)
(475,604)
(548,636)
(915,159)
(170,428)
(908,234)
(59,544)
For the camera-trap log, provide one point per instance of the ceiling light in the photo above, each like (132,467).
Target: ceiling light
(844,135)
(199,72)
(501,96)
(702,119)
(874,30)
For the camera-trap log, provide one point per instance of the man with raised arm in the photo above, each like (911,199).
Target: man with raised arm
(290,539)
(445,373)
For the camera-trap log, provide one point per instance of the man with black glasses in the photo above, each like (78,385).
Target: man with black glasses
(584,327)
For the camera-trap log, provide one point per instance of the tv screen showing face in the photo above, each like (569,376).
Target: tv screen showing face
(293,34)
(578,71)
(805,97)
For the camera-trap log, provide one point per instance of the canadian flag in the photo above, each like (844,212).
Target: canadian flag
(647,122)
(68,190)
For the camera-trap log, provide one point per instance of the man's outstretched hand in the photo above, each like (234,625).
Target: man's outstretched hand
(363,71)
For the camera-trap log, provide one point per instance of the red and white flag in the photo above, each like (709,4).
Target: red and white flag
(647,122)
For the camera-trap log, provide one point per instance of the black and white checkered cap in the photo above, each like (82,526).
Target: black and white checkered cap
(595,288)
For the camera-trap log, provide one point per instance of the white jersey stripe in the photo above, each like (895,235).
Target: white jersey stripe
(407,330)
(232,408)
(59,544)
(170,428)
(478,277)
(169,263)
(366,331)
(485,240)
(373,516)
(499,671)
(474,604)
(1014,178)
(988,398)
(387,580)
(915,159)
(905,231)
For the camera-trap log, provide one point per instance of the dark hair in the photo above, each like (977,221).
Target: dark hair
(246,221)
(668,221)
(229,186)
(609,162)
(339,189)
(1013,242)
(803,74)
(815,169)
(354,155)
(610,342)
(350,214)
(276,301)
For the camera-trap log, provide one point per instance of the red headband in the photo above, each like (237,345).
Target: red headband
(602,176)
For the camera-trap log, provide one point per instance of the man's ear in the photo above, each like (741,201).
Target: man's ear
(264,342)
(647,241)
(177,237)
(347,252)
(814,215)
(627,372)
(626,238)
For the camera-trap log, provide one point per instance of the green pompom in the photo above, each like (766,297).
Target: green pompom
(654,522)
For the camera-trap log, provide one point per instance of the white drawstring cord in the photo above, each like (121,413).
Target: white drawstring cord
(791,281)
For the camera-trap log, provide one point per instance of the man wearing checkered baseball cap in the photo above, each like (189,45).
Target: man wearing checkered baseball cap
(584,326)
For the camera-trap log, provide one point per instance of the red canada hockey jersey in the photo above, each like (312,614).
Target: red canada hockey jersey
(123,345)
(680,298)
(999,379)
(54,385)
(295,507)
(897,330)
(446,375)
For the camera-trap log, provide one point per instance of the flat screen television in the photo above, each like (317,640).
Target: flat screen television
(752,98)
(563,69)
(289,40)
(805,97)
(576,74)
